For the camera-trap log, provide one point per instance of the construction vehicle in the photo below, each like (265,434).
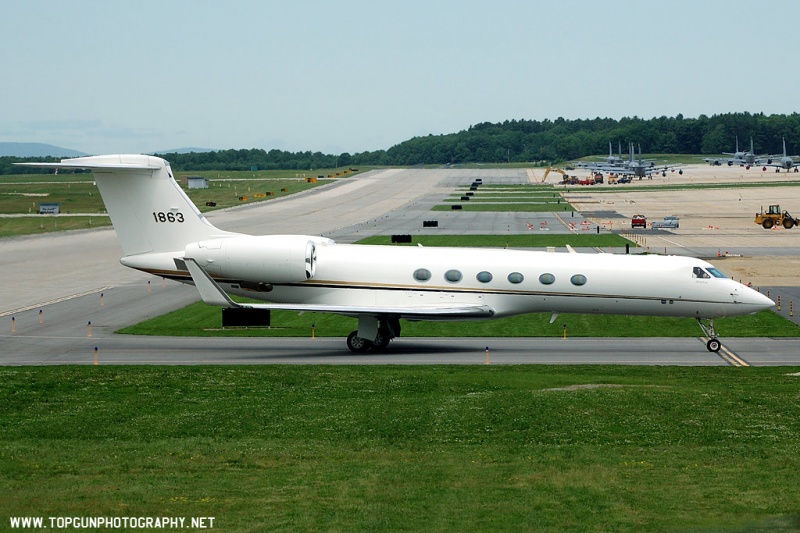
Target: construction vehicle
(775,217)
(638,221)
(549,170)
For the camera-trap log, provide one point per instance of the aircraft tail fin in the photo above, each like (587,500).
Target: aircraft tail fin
(149,210)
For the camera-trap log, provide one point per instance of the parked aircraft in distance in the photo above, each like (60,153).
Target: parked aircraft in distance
(611,160)
(786,161)
(640,168)
(615,159)
(744,159)
(163,233)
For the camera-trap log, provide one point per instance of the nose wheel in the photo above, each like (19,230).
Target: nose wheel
(713,344)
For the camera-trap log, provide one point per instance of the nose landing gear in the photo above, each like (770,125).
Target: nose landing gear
(713,344)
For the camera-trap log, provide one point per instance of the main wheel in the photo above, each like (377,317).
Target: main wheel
(357,344)
(381,342)
(767,223)
(713,345)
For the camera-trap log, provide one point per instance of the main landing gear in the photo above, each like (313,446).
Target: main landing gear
(713,343)
(388,329)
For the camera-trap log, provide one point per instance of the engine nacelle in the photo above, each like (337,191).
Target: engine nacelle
(265,259)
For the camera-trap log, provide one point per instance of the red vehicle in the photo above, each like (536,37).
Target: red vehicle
(638,221)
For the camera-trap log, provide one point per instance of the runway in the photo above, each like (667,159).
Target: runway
(74,279)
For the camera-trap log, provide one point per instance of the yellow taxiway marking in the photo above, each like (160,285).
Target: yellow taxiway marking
(728,356)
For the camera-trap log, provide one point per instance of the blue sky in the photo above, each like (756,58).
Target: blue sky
(353,75)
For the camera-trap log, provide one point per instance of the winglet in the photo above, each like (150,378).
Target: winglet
(209,290)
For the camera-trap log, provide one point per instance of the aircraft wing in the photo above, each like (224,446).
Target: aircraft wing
(659,168)
(426,312)
(777,165)
(604,167)
(212,294)
(718,160)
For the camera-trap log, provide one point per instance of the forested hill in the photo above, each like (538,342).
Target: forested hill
(564,140)
(517,141)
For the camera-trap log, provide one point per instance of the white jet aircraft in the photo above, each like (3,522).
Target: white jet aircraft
(163,233)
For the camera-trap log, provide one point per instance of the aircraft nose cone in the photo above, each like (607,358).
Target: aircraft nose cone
(758,301)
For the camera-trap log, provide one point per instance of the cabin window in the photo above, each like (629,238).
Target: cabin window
(578,279)
(515,277)
(547,279)
(453,276)
(484,277)
(698,272)
(422,274)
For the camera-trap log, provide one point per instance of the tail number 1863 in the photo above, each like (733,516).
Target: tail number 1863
(167,217)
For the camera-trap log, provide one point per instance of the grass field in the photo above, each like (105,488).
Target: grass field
(10,227)
(77,193)
(480,448)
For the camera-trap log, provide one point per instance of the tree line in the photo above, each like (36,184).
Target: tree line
(520,141)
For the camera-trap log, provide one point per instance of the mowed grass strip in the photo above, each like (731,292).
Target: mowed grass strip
(201,320)
(505,198)
(480,448)
(526,207)
(532,240)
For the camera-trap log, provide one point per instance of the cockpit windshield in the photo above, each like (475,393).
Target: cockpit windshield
(716,273)
(707,273)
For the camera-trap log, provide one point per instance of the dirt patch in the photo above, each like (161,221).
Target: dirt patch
(766,271)
(721,219)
